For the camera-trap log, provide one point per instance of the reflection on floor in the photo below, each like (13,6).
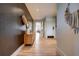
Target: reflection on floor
(45,47)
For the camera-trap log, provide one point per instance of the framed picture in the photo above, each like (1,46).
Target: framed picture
(78,17)
(24,19)
(72,19)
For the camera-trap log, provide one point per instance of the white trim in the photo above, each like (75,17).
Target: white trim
(17,50)
(60,52)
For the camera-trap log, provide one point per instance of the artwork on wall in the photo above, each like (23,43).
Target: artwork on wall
(72,19)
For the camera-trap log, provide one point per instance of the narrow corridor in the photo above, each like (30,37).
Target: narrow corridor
(41,47)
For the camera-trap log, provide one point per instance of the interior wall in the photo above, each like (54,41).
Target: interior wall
(49,24)
(11,36)
(67,41)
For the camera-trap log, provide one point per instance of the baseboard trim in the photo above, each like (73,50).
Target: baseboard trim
(17,50)
(60,52)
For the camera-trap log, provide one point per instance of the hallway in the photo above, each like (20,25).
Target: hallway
(39,29)
(42,46)
(46,47)
(28,24)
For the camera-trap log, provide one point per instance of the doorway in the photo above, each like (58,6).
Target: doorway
(37,32)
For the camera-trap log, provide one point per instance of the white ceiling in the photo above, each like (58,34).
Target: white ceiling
(40,10)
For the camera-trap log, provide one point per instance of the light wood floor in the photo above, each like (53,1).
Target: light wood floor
(45,47)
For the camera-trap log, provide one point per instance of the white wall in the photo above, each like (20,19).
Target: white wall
(49,24)
(67,41)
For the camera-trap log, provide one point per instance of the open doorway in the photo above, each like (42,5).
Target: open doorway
(37,32)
